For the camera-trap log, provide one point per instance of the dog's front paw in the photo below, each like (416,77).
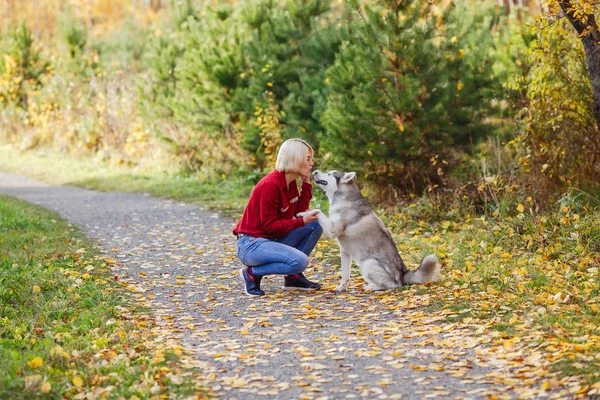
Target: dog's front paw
(303,213)
(340,289)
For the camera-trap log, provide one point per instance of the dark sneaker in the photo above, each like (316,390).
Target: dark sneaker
(299,282)
(251,283)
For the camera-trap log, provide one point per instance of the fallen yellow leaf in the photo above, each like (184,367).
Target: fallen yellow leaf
(45,387)
(35,363)
(78,382)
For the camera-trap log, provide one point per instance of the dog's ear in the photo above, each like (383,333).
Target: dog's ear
(348,177)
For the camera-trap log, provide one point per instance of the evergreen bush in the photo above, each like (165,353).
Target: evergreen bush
(411,90)
(214,71)
(72,43)
(287,53)
(21,67)
(124,48)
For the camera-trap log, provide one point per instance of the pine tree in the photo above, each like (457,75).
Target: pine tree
(73,40)
(408,90)
(21,67)
(158,87)
(209,72)
(240,62)
(290,47)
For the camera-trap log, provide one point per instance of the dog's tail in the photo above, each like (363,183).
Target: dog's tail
(427,271)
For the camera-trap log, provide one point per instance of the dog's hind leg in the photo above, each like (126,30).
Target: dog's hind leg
(346,263)
(376,276)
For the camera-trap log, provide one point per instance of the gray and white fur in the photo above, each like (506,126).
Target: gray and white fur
(363,237)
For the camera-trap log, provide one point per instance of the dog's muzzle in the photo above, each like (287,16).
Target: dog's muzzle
(318,181)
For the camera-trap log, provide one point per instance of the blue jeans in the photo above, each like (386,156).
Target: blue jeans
(287,255)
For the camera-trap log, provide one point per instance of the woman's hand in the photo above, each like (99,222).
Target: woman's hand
(306,178)
(310,216)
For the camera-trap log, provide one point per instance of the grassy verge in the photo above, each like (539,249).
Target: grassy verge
(66,327)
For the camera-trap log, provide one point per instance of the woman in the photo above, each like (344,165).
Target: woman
(271,239)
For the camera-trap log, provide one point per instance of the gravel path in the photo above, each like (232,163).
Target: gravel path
(181,259)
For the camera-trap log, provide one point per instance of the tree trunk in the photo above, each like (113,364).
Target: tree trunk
(590,37)
(592,53)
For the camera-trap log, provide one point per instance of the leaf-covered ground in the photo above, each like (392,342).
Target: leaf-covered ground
(512,316)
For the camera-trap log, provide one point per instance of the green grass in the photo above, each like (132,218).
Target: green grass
(229,196)
(66,326)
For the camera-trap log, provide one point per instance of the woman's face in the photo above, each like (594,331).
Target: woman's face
(306,166)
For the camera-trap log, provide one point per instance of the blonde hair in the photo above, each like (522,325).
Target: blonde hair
(292,153)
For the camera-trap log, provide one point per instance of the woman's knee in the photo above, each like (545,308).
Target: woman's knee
(299,264)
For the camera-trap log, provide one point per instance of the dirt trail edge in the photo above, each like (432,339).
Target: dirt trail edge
(286,345)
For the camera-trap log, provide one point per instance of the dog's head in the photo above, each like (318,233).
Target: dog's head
(331,181)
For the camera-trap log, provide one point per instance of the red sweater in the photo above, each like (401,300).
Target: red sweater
(272,207)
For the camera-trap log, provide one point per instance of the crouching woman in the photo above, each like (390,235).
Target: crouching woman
(271,240)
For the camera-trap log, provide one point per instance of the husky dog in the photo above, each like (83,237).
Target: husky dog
(363,237)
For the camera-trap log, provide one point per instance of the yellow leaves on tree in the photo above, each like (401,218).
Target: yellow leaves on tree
(268,122)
